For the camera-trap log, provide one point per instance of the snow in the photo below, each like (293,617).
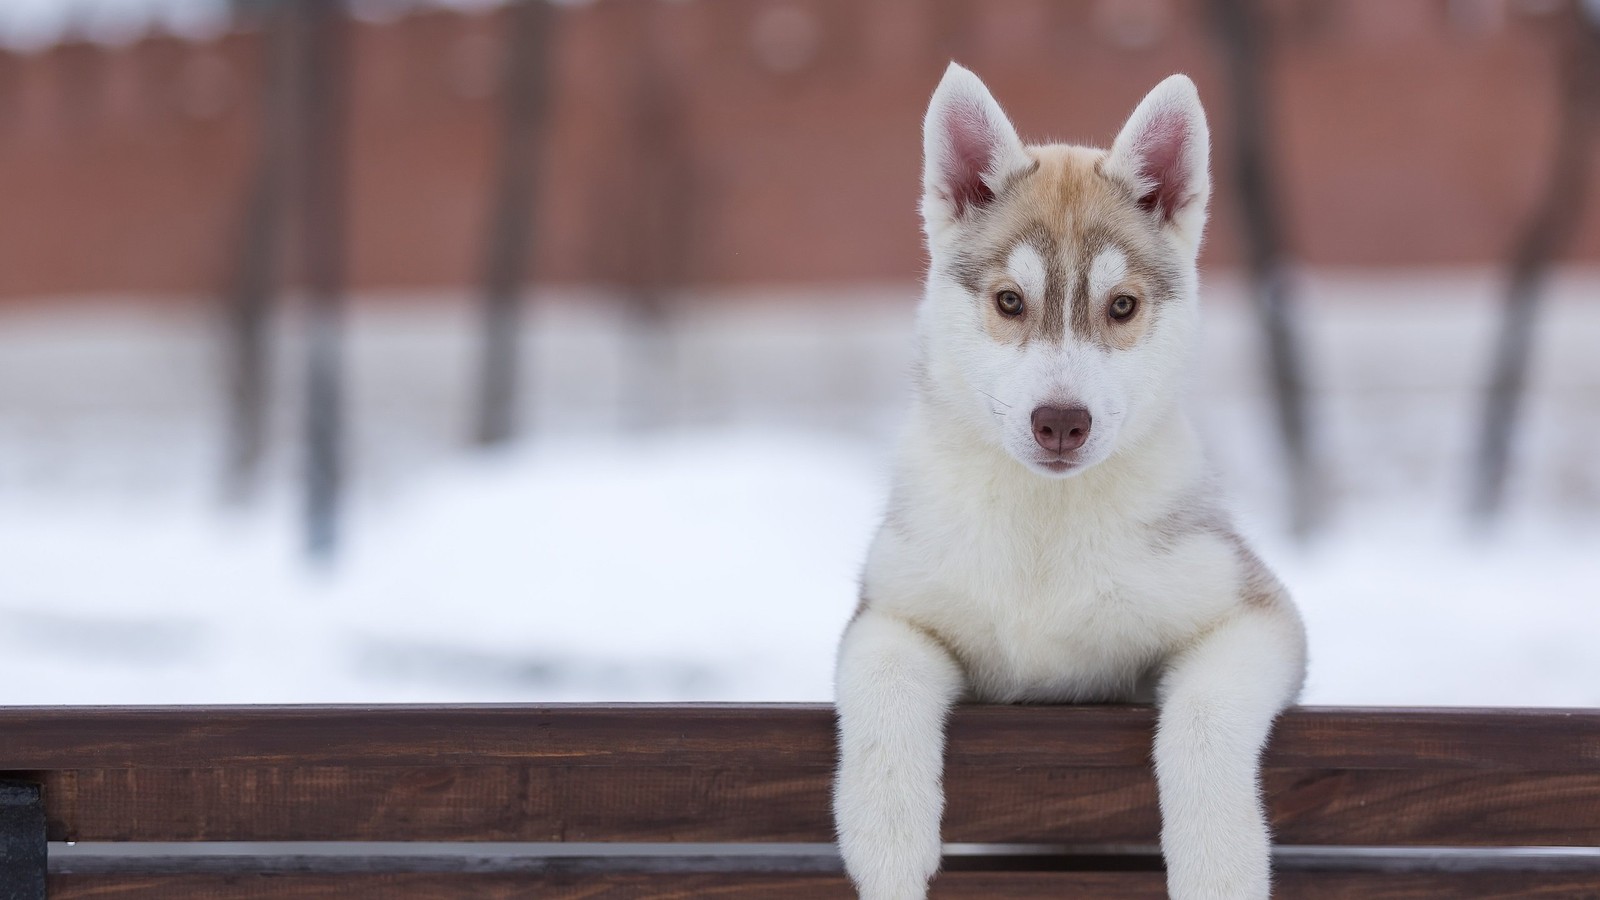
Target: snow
(1407,613)
(702,566)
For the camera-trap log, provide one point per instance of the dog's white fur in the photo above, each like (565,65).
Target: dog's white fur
(1002,574)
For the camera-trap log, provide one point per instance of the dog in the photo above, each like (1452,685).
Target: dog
(1053,534)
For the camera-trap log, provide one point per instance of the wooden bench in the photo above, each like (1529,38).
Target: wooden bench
(654,801)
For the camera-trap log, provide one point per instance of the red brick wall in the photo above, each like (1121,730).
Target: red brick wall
(1407,135)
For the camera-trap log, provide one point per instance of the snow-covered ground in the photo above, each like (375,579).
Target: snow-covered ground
(713,554)
(714,566)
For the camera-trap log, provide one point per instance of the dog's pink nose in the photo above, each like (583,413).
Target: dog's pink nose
(1061,430)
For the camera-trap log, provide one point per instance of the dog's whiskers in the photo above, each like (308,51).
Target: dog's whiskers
(994,398)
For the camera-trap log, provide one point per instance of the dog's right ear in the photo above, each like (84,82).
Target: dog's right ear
(968,150)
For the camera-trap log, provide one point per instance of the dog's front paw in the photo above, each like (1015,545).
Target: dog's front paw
(895,688)
(891,860)
(888,830)
(1245,879)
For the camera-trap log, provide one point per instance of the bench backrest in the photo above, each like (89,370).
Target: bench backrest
(1069,788)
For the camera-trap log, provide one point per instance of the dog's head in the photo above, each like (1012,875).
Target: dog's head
(1061,300)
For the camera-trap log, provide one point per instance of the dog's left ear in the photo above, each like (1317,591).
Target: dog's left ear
(969,148)
(1165,152)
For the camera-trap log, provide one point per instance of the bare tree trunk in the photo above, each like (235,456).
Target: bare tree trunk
(248,303)
(525,92)
(1240,25)
(324,88)
(658,226)
(1548,232)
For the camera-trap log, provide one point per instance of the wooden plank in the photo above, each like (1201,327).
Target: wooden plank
(45,738)
(1451,807)
(740,773)
(949,886)
(450,887)
(311,803)
(299,858)
(473,803)
(519,859)
(786,804)
(1344,808)
(1433,886)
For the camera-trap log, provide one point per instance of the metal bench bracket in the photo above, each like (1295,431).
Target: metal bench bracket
(22,841)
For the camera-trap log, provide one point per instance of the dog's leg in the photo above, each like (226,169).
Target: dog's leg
(1218,700)
(895,687)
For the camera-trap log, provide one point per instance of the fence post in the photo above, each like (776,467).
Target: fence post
(525,88)
(321,168)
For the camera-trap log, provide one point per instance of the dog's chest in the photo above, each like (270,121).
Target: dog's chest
(1059,619)
(1063,608)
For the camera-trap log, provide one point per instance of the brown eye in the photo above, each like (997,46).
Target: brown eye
(1123,307)
(1009,303)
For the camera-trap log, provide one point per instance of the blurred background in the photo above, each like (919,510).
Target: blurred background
(520,351)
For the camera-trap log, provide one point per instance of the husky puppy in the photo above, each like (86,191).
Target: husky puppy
(1053,534)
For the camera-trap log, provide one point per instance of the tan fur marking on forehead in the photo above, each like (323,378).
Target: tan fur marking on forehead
(1068,212)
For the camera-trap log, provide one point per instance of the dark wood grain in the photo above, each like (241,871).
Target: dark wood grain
(780,804)
(1361,807)
(485,859)
(1392,808)
(471,803)
(717,773)
(40,738)
(950,886)
(1435,886)
(453,887)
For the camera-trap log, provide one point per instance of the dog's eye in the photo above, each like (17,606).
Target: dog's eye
(1123,307)
(1009,303)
